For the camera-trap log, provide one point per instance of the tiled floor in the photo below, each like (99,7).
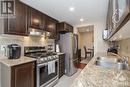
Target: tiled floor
(66,81)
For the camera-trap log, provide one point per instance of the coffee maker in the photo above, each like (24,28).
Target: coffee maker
(14,51)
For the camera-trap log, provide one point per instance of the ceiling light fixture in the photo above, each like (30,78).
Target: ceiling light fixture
(81,19)
(71,8)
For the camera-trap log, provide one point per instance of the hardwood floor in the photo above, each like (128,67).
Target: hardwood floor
(81,65)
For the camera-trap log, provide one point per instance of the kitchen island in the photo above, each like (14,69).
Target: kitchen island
(98,76)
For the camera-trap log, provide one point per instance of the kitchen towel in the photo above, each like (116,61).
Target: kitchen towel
(51,67)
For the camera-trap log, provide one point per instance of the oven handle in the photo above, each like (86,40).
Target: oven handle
(44,64)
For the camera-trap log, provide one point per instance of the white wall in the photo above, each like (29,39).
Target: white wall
(86,39)
(124,47)
(99,44)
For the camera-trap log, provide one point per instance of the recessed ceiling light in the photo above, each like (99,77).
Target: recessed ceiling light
(81,19)
(71,8)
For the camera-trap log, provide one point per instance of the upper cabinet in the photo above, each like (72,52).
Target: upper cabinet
(27,17)
(64,27)
(117,16)
(18,24)
(51,27)
(35,19)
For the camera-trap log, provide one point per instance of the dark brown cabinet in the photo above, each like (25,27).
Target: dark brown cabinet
(18,24)
(35,19)
(64,27)
(27,17)
(23,75)
(51,27)
(61,65)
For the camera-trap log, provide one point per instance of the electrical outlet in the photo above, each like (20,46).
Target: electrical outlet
(3,47)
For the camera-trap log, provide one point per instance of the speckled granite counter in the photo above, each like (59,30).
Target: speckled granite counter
(13,62)
(97,76)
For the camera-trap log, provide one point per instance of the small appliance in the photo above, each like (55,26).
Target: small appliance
(14,51)
(112,50)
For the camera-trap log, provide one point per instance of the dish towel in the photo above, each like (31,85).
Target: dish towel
(51,67)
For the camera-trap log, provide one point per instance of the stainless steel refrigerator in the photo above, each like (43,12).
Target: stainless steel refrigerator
(69,45)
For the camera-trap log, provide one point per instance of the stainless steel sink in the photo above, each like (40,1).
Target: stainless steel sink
(110,63)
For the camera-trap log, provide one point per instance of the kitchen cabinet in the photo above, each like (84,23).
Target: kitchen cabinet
(117,16)
(35,19)
(27,17)
(61,65)
(64,27)
(22,75)
(18,24)
(51,27)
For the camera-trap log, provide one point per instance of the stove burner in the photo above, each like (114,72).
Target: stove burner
(39,54)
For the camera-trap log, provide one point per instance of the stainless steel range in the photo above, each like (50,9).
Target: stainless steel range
(47,65)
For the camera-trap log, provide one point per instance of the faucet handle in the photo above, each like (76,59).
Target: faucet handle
(126,59)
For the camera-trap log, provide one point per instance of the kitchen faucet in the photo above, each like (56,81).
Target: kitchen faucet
(125,60)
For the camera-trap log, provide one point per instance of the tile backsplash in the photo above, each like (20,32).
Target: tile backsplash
(23,41)
(124,47)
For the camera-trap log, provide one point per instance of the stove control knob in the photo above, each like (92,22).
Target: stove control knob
(54,57)
(42,59)
(45,59)
(50,57)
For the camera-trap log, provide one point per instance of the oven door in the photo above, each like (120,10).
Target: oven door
(43,78)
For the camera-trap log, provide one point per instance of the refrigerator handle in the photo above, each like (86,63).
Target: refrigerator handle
(75,42)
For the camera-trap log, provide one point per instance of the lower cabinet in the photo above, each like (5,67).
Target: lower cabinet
(19,76)
(61,65)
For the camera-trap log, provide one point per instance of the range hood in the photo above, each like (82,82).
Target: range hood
(38,32)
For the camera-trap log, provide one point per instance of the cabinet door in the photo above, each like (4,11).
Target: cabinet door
(44,21)
(109,24)
(51,27)
(123,10)
(17,25)
(71,29)
(61,65)
(23,75)
(65,27)
(35,20)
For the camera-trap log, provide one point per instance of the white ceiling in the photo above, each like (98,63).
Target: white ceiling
(89,10)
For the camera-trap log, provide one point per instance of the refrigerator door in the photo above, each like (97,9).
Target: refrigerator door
(75,48)
(67,46)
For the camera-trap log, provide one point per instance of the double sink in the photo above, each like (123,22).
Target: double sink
(111,63)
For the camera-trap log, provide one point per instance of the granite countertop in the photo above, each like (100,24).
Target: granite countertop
(13,62)
(97,76)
